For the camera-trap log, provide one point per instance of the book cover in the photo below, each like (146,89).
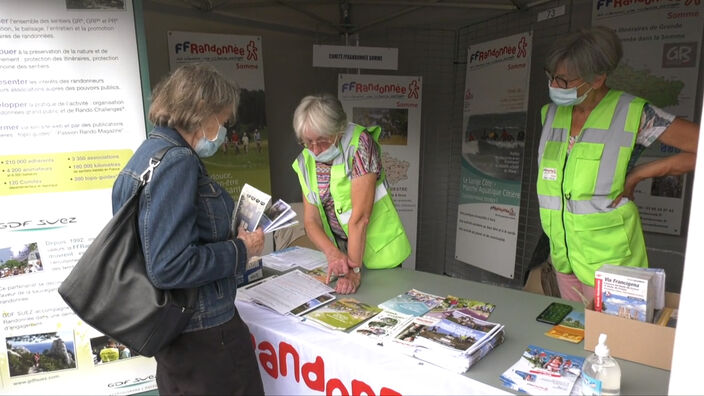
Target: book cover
(343,314)
(541,371)
(571,328)
(413,302)
(628,296)
(477,309)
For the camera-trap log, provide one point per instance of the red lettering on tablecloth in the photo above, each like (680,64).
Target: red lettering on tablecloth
(313,373)
(288,349)
(316,368)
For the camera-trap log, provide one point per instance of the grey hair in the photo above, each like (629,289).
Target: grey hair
(190,95)
(321,114)
(586,53)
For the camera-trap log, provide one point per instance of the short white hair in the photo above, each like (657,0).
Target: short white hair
(586,53)
(320,114)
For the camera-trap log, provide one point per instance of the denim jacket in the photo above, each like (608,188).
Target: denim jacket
(184,225)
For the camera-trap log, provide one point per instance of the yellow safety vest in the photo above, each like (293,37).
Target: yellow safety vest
(575,190)
(386,245)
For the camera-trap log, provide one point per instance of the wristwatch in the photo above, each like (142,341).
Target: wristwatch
(355,269)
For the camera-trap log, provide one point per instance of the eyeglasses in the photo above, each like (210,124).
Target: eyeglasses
(322,143)
(561,82)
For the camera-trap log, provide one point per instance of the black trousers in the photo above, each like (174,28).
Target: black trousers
(215,361)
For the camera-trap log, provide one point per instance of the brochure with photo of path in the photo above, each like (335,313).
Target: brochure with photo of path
(343,314)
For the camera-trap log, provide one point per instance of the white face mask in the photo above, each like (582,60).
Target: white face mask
(206,148)
(567,96)
(328,155)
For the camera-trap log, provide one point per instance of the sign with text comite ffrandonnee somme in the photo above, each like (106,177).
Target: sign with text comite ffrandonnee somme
(351,57)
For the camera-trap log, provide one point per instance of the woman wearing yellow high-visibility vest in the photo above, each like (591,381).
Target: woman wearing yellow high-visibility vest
(348,211)
(592,135)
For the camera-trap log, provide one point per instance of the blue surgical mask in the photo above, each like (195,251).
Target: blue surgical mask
(567,96)
(328,155)
(206,148)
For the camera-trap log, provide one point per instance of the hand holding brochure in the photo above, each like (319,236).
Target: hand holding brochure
(252,211)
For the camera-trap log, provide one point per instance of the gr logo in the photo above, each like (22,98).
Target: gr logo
(679,55)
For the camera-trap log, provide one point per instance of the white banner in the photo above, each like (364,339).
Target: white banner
(298,359)
(244,157)
(493,143)
(394,104)
(355,57)
(661,44)
(71,115)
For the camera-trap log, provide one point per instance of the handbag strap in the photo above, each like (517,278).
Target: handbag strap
(154,161)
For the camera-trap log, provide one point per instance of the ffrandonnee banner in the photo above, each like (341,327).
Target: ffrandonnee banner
(493,144)
(661,50)
(394,104)
(71,115)
(244,157)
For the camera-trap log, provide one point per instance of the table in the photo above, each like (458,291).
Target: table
(351,366)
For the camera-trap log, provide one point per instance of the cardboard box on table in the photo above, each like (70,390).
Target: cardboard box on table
(633,340)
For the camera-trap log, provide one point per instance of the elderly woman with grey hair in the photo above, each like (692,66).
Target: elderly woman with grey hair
(591,139)
(184,226)
(348,211)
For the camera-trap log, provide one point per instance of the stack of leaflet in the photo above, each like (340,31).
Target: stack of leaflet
(449,332)
(541,371)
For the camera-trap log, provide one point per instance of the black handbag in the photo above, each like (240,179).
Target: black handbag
(110,290)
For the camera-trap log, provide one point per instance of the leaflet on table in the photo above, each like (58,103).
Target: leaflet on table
(477,309)
(458,333)
(455,342)
(413,302)
(287,291)
(243,295)
(294,256)
(253,210)
(571,328)
(242,291)
(384,324)
(541,371)
(343,314)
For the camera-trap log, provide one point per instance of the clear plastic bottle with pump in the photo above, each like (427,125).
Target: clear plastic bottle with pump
(601,374)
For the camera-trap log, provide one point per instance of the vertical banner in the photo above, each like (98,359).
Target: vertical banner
(394,104)
(71,115)
(493,144)
(661,50)
(244,157)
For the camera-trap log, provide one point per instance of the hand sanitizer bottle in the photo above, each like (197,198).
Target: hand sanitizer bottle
(601,374)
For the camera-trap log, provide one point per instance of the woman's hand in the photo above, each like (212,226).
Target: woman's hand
(254,241)
(348,284)
(628,189)
(337,264)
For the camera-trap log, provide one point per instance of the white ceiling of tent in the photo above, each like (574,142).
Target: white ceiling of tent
(353,16)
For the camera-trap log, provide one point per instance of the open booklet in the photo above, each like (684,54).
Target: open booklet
(253,210)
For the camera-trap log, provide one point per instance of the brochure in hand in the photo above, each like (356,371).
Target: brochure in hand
(342,314)
(413,302)
(541,371)
(571,328)
(253,210)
